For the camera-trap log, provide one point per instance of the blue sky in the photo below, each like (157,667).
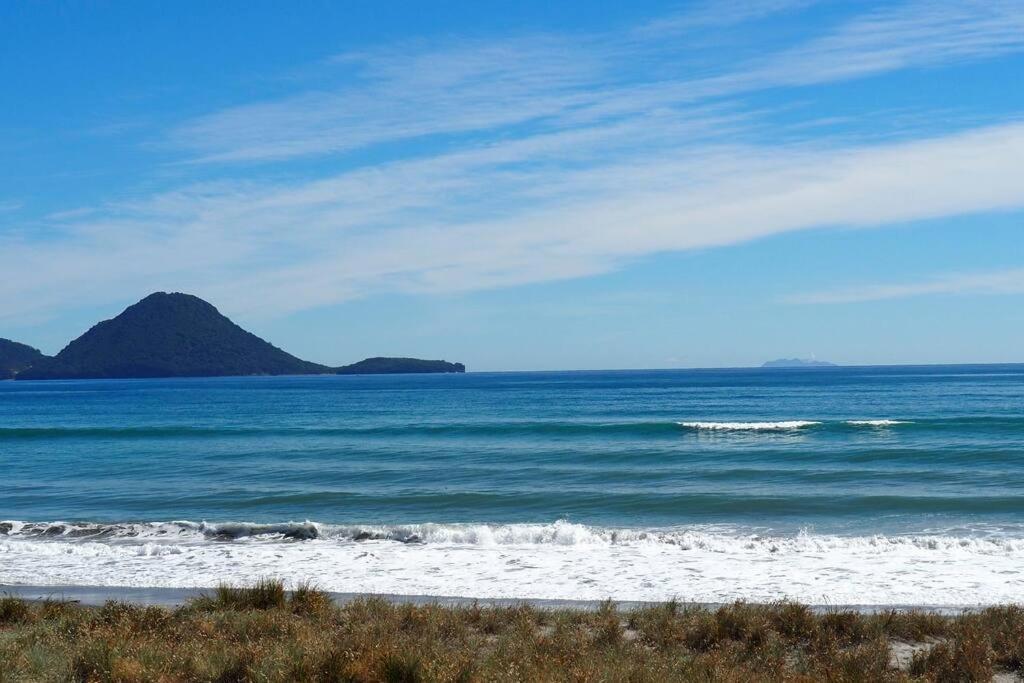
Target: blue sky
(528,185)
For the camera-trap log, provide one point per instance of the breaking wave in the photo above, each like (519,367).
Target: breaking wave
(559,533)
(784,425)
(787,425)
(558,561)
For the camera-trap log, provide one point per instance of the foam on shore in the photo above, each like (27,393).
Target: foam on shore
(558,561)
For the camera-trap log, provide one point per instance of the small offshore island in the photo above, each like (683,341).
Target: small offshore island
(798,363)
(180,335)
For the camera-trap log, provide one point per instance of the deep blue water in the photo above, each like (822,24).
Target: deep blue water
(602,448)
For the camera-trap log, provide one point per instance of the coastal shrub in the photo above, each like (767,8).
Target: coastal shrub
(94,660)
(331,667)
(659,626)
(489,620)
(264,594)
(13,610)
(967,657)
(768,653)
(700,631)
(742,621)
(128,670)
(370,610)
(866,662)
(309,601)
(59,610)
(844,627)
(1006,626)
(402,669)
(255,625)
(909,626)
(607,626)
(795,622)
(245,636)
(235,668)
(134,618)
(40,661)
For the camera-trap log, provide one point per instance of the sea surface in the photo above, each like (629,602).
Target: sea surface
(873,486)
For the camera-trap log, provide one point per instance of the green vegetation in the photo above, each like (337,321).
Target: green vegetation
(263,633)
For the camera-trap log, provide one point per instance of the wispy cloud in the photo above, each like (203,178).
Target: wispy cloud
(555,161)
(915,35)
(472,220)
(1009,281)
(718,13)
(399,94)
(557,82)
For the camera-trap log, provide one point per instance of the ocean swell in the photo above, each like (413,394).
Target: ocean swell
(508,429)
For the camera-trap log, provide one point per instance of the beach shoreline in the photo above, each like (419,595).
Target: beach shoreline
(176,597)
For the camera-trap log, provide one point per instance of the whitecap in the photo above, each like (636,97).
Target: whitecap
(783,425)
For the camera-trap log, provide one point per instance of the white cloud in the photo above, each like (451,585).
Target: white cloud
(717,13)
(914,35)
(557,82)
(464,221)
(1009,281)
(404,93)
(558,167)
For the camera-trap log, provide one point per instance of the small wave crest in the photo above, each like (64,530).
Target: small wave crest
(786,425)
(228,531)
(781,426)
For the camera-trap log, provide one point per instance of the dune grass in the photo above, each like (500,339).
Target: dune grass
(264,633)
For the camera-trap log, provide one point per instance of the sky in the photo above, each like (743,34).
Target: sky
(528,185)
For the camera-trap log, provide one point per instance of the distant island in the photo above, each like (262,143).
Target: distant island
(798,363)
(391,366)
(180,335)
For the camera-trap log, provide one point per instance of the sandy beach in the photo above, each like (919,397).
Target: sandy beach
(176,597)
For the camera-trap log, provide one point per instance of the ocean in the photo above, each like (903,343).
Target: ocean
(867,486)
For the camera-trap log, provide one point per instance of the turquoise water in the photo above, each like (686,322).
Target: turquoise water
(594,447)
(835,453)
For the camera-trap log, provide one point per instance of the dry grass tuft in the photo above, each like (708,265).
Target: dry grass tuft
(13,610)
(310,601)
(264,633)
(967,656)
(264,594)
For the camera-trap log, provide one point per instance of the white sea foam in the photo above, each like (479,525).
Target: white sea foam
(876,423)
(553,561)
(784,425)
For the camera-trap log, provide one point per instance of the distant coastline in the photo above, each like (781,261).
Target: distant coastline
(180,335)
(797,363)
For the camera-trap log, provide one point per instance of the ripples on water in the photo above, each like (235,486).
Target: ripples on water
(689,463)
